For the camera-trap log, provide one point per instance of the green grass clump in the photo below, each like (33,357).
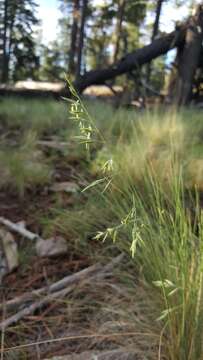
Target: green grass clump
(23,167)
(41,116)
(148,211)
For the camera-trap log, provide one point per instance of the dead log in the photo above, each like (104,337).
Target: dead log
(187,38)
(11,91)
(134,60)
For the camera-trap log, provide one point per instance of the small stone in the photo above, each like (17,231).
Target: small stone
(8,253)
(51,247)
(67,186)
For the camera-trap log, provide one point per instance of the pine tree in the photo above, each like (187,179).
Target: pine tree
(74,36)
(93,35)
(68,33)
(77,11)
(114,31)
(155,31)
(17,20)
(119,23)
(84,12)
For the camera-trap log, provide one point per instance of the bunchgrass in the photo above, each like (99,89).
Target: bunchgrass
(23,167)
(151,209)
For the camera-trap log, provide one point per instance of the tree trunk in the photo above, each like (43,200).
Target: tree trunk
(118,31)
(1,39)
(81,37)
(157,19)
(5,55)
(132,60)
(188,58)
(74,33)
(155,32)
(10,9)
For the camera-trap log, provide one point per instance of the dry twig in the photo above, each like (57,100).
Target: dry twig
(19,229)
(58,285)
(57,290)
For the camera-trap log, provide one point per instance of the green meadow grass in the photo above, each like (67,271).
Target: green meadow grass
(22,124)
(23,167)
(42,116)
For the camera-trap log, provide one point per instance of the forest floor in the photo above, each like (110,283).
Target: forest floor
(108,314)
(99,318)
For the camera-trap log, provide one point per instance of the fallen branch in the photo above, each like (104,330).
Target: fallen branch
(57,286)
(109,267)
(133,60)
(33,307)
(31,93)
(56,290)
(56,145)
(19,229)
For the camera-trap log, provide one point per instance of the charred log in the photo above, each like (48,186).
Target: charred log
(133,60)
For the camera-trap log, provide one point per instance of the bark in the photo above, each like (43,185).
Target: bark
(81,37)
(119,23)
(133,60)
(74,33)
(188,57)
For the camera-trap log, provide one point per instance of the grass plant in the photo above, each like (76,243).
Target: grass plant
(150,211)
(23,167)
